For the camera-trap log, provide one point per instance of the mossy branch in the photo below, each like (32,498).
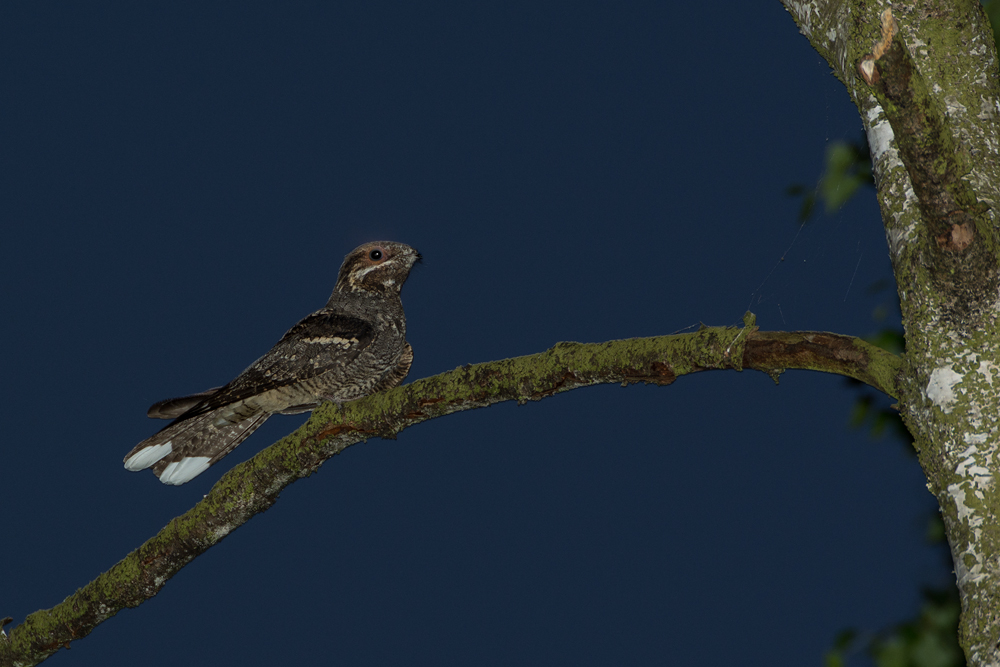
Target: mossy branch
(253,486)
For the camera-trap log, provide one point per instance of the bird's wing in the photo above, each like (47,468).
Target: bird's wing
(319,343)
(209,429)
(172,408)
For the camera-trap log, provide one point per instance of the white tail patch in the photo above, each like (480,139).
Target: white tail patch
(184,470)
(147,456)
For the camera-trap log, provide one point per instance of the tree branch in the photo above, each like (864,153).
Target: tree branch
(254,485)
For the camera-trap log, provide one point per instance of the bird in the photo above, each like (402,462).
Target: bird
(352,347)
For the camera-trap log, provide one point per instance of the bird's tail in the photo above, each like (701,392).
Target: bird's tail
(187,447)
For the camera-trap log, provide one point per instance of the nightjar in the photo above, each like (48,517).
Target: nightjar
(352,347)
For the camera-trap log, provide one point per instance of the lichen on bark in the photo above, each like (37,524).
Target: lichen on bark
(254,485)
(929,107)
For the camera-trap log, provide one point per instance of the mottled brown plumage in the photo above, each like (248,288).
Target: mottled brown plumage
(354,346)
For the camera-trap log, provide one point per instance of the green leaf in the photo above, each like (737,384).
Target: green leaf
(845,173)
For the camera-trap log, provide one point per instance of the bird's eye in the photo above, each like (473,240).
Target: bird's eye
(375,255)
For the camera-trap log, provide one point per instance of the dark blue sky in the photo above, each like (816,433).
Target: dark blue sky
(180,184)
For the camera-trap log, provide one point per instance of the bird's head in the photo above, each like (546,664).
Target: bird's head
(379,267)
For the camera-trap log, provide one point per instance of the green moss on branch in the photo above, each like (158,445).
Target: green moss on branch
(253,486)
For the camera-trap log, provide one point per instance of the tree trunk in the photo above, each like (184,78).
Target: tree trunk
(924,78)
